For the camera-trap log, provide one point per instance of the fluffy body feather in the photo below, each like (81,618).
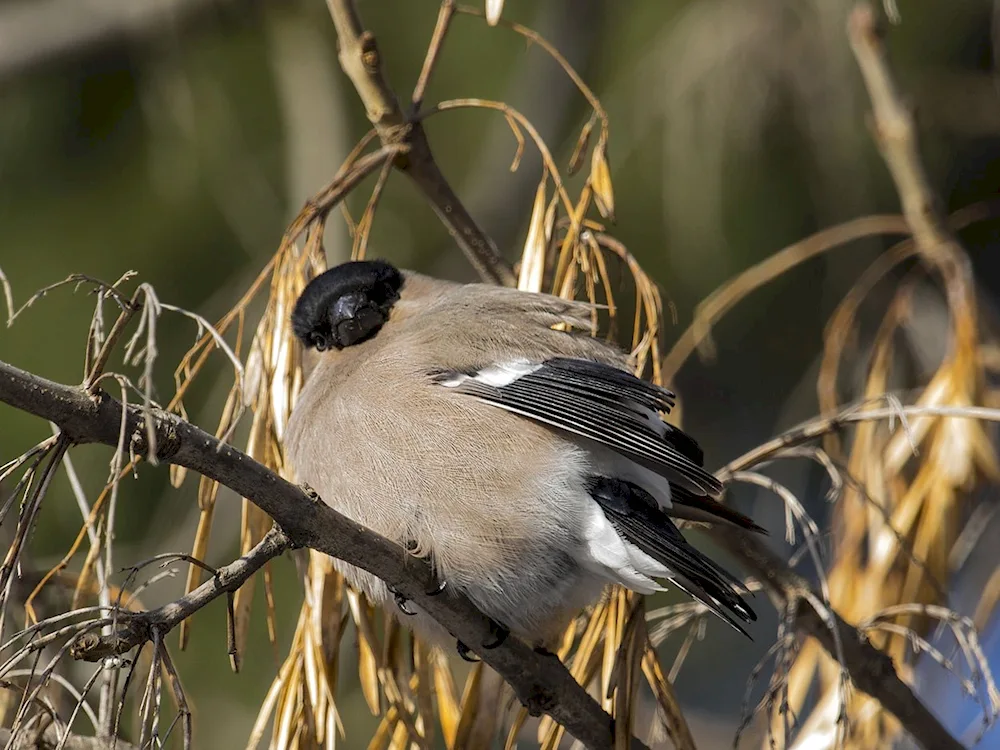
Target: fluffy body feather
(453,429)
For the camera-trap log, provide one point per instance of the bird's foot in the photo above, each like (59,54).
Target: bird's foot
(412,547)
(402,603)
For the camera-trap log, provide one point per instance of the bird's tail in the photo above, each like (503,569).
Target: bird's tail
(692,507)
(638,519)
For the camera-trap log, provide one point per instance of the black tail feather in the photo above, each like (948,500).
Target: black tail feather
(638,519)
(710,510)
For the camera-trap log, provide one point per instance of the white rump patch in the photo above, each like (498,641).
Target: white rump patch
(646,564)
(614,559)
(497,375)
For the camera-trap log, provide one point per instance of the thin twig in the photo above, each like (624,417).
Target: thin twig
(815,428)
(723,299)
(364,228)
(183,710)
(445,14)
(8,297)
(137,628)
(895,135)
(51,738)
(29,514)
(117,329)
(895,132)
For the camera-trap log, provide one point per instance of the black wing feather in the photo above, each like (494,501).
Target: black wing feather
(618,388)
(607,405)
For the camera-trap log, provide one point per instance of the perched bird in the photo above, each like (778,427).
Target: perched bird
(479,427)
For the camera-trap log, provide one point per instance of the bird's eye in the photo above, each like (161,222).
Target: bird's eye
(319,341)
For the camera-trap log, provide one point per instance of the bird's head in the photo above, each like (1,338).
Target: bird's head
(346,305)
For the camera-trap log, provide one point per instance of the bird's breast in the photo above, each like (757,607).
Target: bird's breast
(471,485)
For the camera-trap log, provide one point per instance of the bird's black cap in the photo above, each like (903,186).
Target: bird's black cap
(347,304)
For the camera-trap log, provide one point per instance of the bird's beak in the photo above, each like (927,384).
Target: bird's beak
(348,305)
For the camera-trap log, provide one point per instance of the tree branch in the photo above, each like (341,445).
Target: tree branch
(136,628)
(360,59)
(871,670)
(896,137)
(541,683)
(894,132)
(49,740)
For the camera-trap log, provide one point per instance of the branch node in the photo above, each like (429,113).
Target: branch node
(168,441)
(94,647)
(310,492)
(369,52)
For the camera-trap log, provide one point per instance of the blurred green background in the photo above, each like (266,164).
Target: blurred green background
(177,138)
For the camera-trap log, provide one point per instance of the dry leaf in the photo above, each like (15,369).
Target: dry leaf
(532,271)
(600,181)
(493,10)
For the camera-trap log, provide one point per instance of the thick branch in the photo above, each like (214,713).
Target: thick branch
(541,682)
(871,670)
(360,59)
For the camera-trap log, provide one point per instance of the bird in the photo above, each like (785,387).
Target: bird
(484,429)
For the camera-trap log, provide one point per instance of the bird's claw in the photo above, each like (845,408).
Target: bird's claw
(499,633)
(412,546)
(439,589)
(401,602)
(401,605)
(466,653)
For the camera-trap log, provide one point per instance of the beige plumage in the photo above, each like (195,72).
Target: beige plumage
(391,430)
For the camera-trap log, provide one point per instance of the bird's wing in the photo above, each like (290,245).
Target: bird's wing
(594,401)
(611,407)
